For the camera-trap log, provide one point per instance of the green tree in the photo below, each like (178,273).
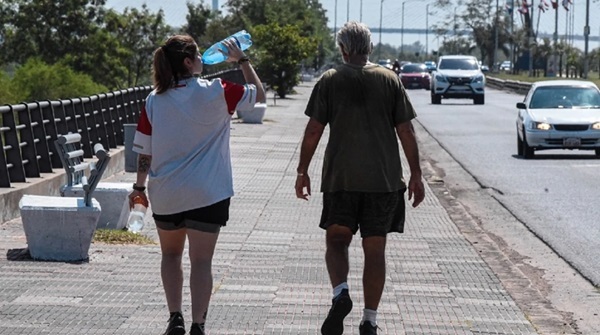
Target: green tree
(139,32)
(282,51)
(8,95)
(47,29)
(36,80)
(481,19)
(308,15)
(103,57)
(197,20)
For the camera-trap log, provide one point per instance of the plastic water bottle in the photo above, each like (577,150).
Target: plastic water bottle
(135,223)
(213,56)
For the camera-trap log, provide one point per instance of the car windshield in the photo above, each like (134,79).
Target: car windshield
(565,97)
(413,68)
(458,64)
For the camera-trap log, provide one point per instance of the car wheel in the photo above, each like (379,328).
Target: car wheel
(479,99)
(528,152)
(436,99)
(519,146)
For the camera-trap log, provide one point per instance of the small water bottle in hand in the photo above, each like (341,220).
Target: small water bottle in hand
(213,56)
(137,214)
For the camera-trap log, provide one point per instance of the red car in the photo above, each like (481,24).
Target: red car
(415,75)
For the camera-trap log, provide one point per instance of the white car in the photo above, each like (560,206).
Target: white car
(458,77)
(559,114)
(505,66)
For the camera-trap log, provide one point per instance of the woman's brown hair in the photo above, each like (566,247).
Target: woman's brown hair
(167,66)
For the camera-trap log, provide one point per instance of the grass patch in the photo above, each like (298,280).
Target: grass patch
(116,236)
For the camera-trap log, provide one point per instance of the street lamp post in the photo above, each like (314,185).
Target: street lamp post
(360,10)
(494,59)
(402,32)
(335,17)
(426,30)
(586,34)
(380,20)
(347,10)
(402,28)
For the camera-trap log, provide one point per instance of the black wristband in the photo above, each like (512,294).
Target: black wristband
(243,59)
(139,188)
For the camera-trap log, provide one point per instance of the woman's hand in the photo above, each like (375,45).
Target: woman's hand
(234,53)
(134,194)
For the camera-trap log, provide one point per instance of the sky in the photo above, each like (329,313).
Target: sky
(415,16)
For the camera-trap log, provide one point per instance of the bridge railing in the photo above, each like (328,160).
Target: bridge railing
(28,130)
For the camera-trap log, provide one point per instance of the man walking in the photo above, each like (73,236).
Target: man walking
(366,107)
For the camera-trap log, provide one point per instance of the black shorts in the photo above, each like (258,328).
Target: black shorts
(375,214)
(207,219)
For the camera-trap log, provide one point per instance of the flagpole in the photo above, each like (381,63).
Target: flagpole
(537,25)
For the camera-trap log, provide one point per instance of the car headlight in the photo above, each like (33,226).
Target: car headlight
(540,125)
(596,126)
(478,79)
(440,78)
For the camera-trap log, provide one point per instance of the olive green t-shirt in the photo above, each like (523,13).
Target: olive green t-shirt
(362,105)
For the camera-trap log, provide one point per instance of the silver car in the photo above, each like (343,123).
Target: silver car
(559,114)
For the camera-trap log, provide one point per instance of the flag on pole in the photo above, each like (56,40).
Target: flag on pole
(509,7)
(524,7)
(565,4)
(543,6)
(554,4)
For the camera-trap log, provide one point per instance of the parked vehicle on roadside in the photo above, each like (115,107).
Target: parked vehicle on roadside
(559,114)
(458,77)
(415,75)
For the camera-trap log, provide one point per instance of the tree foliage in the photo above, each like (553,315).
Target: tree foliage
(308,15)
(115,48)
(197,18)
(139,33)
(30,82)
(46,28)
(481,20)
(282,50)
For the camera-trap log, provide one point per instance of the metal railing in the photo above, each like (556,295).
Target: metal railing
(28,130)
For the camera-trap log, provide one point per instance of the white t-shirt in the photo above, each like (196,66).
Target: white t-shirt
(186,131)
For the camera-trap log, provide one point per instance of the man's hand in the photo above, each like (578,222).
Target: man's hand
(416,189)
(303,186)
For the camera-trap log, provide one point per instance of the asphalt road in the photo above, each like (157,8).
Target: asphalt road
(555,195)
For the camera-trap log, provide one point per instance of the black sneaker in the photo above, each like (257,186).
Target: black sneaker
(197,329)
(367,328)
(340,307)
(176,325)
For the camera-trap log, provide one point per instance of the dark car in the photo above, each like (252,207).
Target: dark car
(415,75)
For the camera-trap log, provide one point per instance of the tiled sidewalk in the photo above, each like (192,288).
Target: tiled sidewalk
(269,272)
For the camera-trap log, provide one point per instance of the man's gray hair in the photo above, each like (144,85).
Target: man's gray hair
(355,38)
